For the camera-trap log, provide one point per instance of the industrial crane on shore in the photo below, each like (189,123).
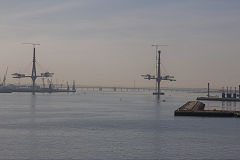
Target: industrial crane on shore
(4,78)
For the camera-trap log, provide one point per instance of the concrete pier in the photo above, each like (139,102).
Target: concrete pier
(218,99)
(196,108)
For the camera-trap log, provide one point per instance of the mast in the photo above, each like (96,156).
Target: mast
(159,73)
(156,47)
(34,74)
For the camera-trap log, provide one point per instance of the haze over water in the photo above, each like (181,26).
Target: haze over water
(113,125)
(109,42)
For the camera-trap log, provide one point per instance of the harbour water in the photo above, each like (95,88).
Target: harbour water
(113,125)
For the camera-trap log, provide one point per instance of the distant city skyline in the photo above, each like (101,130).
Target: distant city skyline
(109,42)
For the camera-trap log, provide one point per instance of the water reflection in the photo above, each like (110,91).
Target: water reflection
(157,108)
(33,103)
(33,141)
(227,105)
(157,139)
(223,105)
(158,98)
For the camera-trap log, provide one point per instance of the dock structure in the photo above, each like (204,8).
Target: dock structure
(218,99)
(196,108)
(229,95)
(191,106)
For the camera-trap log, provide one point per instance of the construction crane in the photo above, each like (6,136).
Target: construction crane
(43,82)
(73,86)
(34,44)
(34,75)
(18,75)
(68,86)
(50,84)
(46,75)
(158,78)
(5,78)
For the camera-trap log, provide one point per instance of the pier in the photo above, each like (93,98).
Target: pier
(196,108)
(227,95)
(218,99)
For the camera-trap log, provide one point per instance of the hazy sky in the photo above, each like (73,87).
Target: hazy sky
(108,42)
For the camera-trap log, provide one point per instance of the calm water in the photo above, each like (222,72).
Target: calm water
(89,125)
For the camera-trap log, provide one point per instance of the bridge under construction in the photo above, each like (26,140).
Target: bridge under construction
(34,76)
(158,76)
